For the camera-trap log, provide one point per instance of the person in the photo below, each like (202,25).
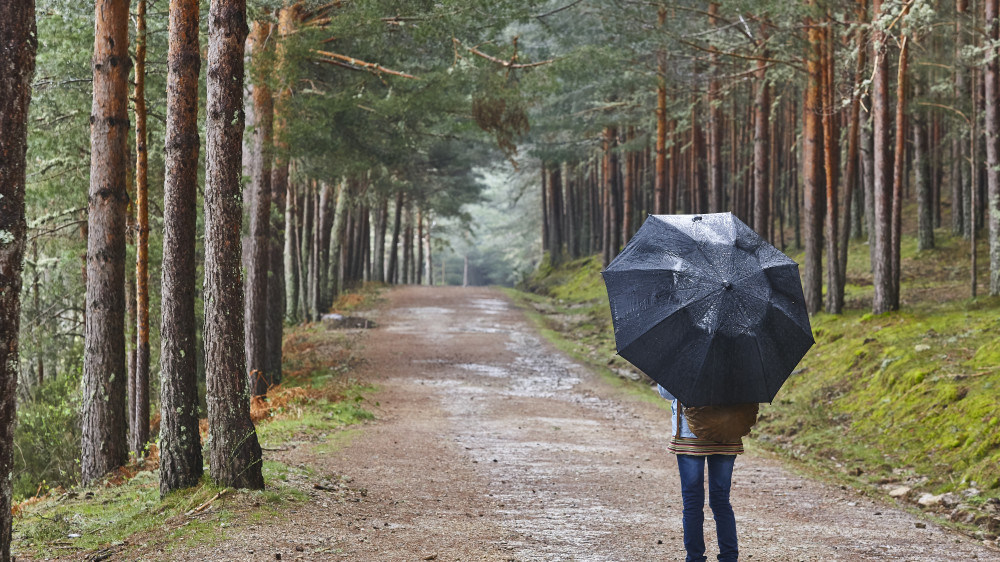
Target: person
(693,454)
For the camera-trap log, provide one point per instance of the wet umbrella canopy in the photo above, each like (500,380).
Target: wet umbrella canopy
(708,309)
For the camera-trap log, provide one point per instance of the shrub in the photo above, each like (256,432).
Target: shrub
(47,437)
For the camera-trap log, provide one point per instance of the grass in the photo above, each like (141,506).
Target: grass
(317,403)
(907,397)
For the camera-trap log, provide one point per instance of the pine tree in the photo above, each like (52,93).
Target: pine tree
(105,423)
(180,441)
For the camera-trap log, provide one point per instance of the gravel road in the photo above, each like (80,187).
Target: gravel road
(491,445)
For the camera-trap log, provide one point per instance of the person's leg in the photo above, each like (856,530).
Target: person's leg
(692,471)
(720,477)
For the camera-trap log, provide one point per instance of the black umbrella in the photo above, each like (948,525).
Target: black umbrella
(708,309)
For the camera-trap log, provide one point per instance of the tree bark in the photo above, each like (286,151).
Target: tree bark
(257,267)
(291,252)
(922,173)
(337,238)
(882,188)
(898,173)
(831,151)
(851,172)
(394,247)
(762,183)
(19,43)
(660,179)
(235,454)
(960,173)
(812,162)
(381,224)
(717,196)
(554,185)
(180,441)
(104,371)
(140,433)
(420,246)
(992,86)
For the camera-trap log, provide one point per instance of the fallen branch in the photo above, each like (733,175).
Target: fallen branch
(202,507)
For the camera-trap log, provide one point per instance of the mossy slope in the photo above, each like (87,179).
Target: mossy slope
(909,396)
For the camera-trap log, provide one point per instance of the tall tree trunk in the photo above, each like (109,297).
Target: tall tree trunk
(104,385)
(898,175)
(429,263)
(303,238)
(812,162)
(255,334)
(660,179)
(921,165)
(381,224)
(276,298)
(545,209)
(291,254)
(628,189)
(672,168)
(554,184)
(867,150)
(323,297)
(882,188)
(406,275)
(607,174)
(140,434)
(960,172)
(180,443)
(319,221)
(276,282)
(420,246)
(717,196)
(394,247)
(337,238)
(762,183)
(831,151)
(20,42)
(992,85)
(235,454)
(851,173)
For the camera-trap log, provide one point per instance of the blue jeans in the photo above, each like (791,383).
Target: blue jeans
(720,476)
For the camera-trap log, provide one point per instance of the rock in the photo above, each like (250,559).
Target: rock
(899,492)
(921,347)
(960,515)
(949,500)
(430,557)
(993,525)
(921,525)
(930,500)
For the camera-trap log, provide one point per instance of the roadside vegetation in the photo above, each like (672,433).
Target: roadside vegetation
(901,403)
(316,406)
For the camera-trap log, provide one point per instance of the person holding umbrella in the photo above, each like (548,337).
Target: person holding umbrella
(716,316)
(693,454)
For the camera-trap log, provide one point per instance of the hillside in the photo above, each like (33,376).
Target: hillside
(901,404)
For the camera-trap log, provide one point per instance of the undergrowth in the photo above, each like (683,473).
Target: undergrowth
(316,404)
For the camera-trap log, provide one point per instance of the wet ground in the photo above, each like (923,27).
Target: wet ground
(491,445)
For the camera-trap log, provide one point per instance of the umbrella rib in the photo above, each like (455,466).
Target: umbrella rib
(667,317)
(694,383)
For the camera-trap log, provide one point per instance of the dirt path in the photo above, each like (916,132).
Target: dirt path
(490,445)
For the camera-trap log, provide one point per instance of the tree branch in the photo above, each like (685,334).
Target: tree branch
(353,63)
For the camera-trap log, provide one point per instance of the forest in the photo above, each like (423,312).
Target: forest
(182,181)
